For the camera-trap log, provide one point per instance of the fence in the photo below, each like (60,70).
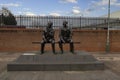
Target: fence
(73,22)
(79,22)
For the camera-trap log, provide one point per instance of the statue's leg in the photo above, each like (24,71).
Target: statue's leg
(71,46)
(53,46)
(61,47)
(42,47)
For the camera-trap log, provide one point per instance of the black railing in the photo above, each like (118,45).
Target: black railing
(73,22)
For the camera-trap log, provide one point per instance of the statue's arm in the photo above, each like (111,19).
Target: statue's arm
(61,37)
(71,33)
(43,35)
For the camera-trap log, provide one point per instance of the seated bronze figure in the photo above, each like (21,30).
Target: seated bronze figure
(48,37)
(66,37)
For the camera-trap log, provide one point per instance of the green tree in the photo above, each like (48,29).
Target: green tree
(1,19)
(7,18)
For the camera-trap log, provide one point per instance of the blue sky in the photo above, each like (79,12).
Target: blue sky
(91,8)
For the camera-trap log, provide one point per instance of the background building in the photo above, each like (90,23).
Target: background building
(115,14)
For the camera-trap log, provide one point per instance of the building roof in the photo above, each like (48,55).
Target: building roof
(115,14)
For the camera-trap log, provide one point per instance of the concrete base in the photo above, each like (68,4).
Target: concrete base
(59,62)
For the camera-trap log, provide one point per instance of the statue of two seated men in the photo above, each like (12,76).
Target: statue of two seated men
(65,36)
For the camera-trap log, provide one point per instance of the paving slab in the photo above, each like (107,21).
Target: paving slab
(60,75)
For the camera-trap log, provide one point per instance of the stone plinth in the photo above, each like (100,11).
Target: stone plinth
(59,62)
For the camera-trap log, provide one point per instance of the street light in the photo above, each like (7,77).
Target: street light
(108,30)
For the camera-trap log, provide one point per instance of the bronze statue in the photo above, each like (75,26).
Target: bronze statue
(66,37)
(48,37)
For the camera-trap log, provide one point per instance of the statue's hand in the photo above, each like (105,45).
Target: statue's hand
(44,39)
(63,41)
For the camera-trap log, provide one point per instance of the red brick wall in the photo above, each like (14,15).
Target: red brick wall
(20,40)
(115,41)
(91,40)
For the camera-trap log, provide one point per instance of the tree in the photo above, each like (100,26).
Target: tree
(1,19)
(7,18)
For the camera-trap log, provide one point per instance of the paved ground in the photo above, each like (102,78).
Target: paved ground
(112,71)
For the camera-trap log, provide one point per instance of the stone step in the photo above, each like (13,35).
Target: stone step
(50,62)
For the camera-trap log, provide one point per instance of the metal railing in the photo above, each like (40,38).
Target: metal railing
(73,22)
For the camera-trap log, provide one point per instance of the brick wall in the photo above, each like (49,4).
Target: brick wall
(20,40)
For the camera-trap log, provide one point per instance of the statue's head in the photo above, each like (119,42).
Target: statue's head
(65,23)
(50,24)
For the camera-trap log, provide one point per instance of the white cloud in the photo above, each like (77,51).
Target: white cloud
(26,9)
(29,13)
(10,5)
(86,12)
(42,14)
(68,1)
(19,13)
(54,14)
(100,5)
(90,9)
(103,8)
(105,2)
(76,10)
(26,13)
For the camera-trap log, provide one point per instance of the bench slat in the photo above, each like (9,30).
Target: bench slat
(55,42)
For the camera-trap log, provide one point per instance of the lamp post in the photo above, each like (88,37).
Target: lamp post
(108,30)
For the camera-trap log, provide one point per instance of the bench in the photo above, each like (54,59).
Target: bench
(37,42)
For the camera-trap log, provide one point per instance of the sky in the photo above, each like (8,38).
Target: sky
(86,8)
